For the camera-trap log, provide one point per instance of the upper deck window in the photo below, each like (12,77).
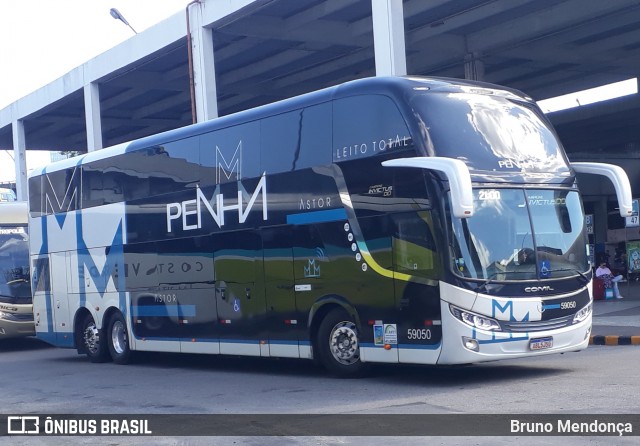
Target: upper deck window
(366,126)
(490,133)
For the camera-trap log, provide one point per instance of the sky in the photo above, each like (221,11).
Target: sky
(41,40)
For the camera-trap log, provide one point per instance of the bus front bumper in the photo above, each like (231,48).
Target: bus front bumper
(16,324)
(463,344)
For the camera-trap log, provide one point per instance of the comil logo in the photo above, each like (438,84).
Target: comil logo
(538,289)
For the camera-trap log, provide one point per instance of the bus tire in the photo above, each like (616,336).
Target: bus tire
(93,340)
(118,339)
(339,344)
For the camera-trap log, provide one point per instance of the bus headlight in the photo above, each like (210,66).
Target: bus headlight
(475,320)
(582,314)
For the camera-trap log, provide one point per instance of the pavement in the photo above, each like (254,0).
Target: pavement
(617,321)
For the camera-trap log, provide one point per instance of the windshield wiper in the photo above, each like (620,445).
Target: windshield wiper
(586,279)
(483,285)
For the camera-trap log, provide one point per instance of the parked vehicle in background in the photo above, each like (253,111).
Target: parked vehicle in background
(7,194)
(16,306)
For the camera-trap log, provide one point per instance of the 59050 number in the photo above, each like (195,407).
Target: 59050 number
(418,334)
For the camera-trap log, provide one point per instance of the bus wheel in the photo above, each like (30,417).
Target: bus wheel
(338,344)
(93,340)
(119,339)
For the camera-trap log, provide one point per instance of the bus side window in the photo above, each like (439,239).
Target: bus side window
(92,187)
(316,134)
(230,154)
(296,140)
(61,190)
(410,183)
(367,125)
(280,142)
(41,278)
(414,247)
(36,196)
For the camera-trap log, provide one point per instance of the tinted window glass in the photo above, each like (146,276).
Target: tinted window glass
(35,196)
(41,278)
(280,138)
(230,154)
(316,135)
(15,282)
(490,133)
(367,126)
(62,191)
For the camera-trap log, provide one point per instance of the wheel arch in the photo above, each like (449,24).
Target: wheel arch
(78,318)
(321,308)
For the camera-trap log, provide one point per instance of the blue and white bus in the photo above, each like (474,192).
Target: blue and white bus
(397,220)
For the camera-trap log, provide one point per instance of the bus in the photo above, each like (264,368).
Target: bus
(395,220)
(7,194)
(16,312)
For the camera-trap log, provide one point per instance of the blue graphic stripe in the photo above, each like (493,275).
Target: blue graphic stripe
(60,339)
(161,310)
(552,307)
(405,346)
(420,346)
(227,341)
(317,217)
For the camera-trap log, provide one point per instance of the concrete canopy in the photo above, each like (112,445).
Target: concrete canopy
(267,50)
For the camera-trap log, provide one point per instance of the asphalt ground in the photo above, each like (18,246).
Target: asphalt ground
(617,321)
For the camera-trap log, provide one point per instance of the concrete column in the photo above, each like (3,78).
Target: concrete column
(388,37)
(600,220)
(92,116)
(473,67)
(20,158)
(204,70)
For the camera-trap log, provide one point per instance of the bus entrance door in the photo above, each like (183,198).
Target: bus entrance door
(51,314)
(239,292)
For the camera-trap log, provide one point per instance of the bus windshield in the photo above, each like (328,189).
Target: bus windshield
(15,285)
(521,234)
(490,133)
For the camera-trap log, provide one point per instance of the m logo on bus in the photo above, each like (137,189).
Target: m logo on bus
(503,309)
(216,207)
(228,169)
(62,201)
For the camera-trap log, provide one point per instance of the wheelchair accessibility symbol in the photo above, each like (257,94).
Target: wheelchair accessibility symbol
(545,269)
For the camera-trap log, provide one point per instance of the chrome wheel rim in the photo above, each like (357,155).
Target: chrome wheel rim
(119,337)
(92,338)
(343,343)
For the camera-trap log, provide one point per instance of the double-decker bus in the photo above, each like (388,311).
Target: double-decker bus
(397,220)
(16,312)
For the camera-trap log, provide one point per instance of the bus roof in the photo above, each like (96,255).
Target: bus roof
(394,87)
(13,212)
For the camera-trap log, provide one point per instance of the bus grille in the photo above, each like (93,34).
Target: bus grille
(524,326)
(18,317)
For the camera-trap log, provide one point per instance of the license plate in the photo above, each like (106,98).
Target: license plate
(541,344)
